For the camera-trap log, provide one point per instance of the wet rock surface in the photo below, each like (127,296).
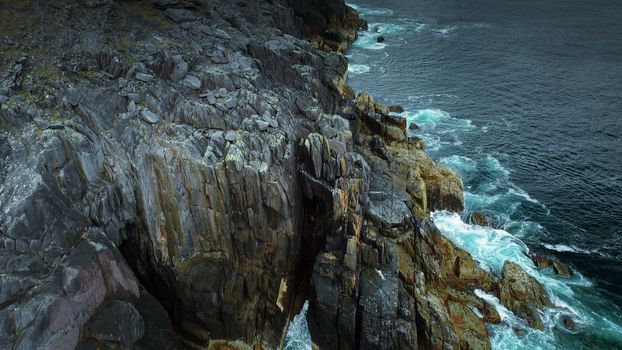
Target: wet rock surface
(175,174)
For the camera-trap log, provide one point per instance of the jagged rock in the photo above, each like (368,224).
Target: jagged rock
(158,332)
(393,133)
(149,116)
(544,261)
(377,146)
(522,294)
(180,68)
(192,82)
(396,109)
(144,77)
(380,39)
(483,219)
(396,120)
(416,142)
(388,212)
(569,322)
(118,323)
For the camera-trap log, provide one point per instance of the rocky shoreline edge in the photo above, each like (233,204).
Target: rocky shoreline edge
(182,174)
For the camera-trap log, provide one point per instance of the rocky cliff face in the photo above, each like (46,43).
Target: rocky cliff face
(181,173)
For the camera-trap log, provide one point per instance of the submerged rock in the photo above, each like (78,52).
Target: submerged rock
(545,261)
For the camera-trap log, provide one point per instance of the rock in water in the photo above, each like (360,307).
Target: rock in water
(523,294)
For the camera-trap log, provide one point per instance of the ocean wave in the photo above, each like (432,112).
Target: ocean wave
(436,118)
(491,248)
(358,68)
(494,165)
(369,42)
(461,164)
(445,30)
(562,248)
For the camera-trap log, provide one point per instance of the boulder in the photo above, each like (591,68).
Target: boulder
(523,294)
(546,261)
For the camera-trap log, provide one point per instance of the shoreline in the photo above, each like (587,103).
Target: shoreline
(178,174)
(573,320)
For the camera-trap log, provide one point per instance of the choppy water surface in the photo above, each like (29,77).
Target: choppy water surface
(523,99)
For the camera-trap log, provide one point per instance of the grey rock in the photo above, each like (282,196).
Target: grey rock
(144,77)
(390,212)
(262,125)
(192,82)
(119,322)
(3,99)
(231,102)
(230,136)
(149,116)
(73,96)
(180,70)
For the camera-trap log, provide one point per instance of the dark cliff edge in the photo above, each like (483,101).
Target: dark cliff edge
(182,173)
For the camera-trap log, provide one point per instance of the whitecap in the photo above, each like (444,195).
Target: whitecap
(461,164)
(431,118)
(494,165)
(565,248)
(521,193)
(445,30)
(358,68)
(490,247)
(369,42)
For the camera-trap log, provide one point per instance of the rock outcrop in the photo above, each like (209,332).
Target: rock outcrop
(179,173)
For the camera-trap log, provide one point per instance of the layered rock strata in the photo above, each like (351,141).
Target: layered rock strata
(177,173)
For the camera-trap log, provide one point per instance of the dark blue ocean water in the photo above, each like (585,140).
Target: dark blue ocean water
(523,99)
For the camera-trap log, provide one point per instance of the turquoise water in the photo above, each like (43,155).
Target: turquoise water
(523,101)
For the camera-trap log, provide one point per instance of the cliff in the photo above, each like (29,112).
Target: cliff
(179,173)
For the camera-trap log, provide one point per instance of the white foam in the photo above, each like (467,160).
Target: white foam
(298,336)
(521,193)
(358,68)
(504,313)
(380,274)
(565,248)
(489,246)
(494,164)
(445,30)
(458,163)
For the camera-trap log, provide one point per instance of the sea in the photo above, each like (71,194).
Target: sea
(523,100)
